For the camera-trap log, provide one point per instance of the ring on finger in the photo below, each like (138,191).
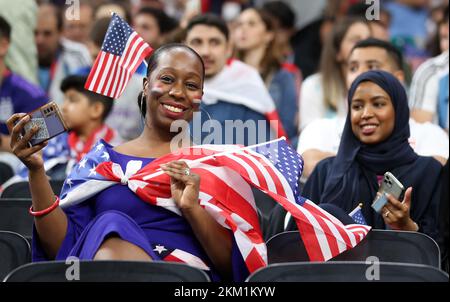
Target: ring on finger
(187,172)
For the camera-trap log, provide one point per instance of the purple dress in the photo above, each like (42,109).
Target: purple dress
(117,211)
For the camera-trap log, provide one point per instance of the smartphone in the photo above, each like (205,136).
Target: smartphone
(390,185)
(49,120)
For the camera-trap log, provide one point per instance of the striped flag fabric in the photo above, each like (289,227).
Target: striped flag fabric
(227,173)
(122,52)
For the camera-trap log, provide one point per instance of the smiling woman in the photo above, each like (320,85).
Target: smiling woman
(116,221)
(375,141)
(372,113)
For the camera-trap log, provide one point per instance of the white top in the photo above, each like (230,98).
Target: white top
(424,90)
(312,104)
(74,56)
(426,139)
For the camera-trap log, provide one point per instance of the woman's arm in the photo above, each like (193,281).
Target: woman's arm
(215,239)
(52,226)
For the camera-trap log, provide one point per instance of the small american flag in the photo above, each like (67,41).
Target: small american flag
(122,52)
(357,215)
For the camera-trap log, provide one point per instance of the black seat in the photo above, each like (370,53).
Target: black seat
(14,252)
(347,272)
(22,189)
(6,172)
(14,216)
(387,246)
(107,271)
(264,204)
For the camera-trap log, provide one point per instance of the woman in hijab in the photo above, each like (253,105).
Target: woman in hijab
(374,141)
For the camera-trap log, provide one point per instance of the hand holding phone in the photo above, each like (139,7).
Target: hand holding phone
(29,133)
(49,120)
(389,185)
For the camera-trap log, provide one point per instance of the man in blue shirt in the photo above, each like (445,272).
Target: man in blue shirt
(236,106)
(16,94)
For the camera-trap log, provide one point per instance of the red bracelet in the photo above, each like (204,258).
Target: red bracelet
(45,211)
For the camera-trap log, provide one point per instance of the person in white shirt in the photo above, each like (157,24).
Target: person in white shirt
(321,138)
(429,88)
(323,94)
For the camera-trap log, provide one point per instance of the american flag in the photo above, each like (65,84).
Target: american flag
(122,52)
(226,172)
(357,215)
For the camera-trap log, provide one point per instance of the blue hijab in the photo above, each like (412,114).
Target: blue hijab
(356,160)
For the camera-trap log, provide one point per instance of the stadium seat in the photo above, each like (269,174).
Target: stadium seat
(348,272)
(22,190)
(6,172)
(14,252)
(14,216)
(387,246)
(108,271)
(264,204)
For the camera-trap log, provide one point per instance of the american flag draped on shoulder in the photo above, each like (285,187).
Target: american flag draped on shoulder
(226,172)
(122,52)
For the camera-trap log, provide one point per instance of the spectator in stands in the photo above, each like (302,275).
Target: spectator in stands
(117,224)
(125,118)
(429,88)
(256,44)
(16,95)
(283,19)
(76,27)
(321,138)
(153,25)
(410,36)
(121,8)
(58,57)
(378,27)
(323,94)
(234,91)
(22,55)
(374,141)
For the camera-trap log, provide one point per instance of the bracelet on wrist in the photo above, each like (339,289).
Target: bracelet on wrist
(45,211)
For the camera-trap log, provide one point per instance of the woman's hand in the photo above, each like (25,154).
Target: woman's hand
(396,213)
(185,186)
(30,156)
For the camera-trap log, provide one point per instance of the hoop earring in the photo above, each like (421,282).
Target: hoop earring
(143,111)
(141,103)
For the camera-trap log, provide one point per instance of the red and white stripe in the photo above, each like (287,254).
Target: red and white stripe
(324,235)
(225,193)
(110,73)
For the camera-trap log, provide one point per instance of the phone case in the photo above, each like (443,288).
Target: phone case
(49,120)
(390,185)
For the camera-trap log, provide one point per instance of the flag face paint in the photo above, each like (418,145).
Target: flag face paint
(156,91)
